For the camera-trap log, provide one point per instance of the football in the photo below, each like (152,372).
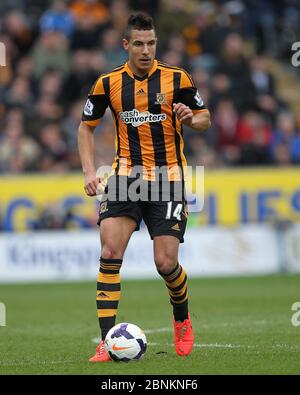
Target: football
(125,342)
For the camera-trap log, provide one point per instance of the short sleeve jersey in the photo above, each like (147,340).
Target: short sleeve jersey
(147,131)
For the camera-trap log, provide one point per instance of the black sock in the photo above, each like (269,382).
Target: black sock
(108,293)
(176,282)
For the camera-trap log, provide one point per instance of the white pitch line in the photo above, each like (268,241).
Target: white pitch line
(222,324)
(216,345)
(237,323)
(205,326)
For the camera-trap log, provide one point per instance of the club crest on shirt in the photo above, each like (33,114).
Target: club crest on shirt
(160,98)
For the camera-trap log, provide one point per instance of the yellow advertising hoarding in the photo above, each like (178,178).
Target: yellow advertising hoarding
(232,196)
(23,198)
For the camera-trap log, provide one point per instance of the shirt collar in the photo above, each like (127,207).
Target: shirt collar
(130,73)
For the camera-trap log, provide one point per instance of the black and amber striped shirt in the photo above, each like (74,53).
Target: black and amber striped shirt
(147,131)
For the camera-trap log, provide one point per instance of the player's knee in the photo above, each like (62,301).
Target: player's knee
(110,253)
(165,263)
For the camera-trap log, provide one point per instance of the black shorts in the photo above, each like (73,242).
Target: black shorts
(163,208)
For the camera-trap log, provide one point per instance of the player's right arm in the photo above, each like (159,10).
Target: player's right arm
(86,153)
(94,110)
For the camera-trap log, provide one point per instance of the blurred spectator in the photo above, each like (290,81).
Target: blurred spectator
(50,85)
(234,16)
(264,86)
(45,110)
(254,136)
(286,140)
(58,18)
(220,89)
(70,126)
(261,78)
(150,7)
(50,52)
(202,153)
(81,78)
(54,149)
(17,27)
(91,17)
(15,116)
(176,53)
(18,153)
(171,11)
(177,42)
(173,58)
(24,68)
(206,31)
(119,13)
(201,79)
(234,65)
(94,11)
(112,50)
(85,35)
(20,95)
(226,121)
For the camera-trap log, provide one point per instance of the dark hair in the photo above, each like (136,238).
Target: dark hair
(138,21)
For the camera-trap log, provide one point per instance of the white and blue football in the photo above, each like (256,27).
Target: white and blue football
(125,342)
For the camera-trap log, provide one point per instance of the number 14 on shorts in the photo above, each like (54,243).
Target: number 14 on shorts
(177,211)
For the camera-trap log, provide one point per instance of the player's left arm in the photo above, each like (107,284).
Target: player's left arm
(199,120)
(189,106)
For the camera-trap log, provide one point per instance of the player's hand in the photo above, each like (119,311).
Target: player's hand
(183,113)
(93,185)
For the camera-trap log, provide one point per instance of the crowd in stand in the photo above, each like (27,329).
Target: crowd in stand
(56,49)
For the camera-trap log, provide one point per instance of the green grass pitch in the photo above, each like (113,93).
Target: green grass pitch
(242,326)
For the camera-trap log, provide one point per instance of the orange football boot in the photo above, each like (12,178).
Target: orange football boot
(183,337)
(101,354)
